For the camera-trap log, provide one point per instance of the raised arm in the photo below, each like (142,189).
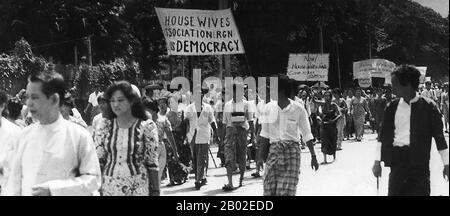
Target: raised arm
(308,138)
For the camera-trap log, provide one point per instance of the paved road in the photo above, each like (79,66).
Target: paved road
(349,175)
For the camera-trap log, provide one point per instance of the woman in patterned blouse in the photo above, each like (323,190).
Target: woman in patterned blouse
(127,145)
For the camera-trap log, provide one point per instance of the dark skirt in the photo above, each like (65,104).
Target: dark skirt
(184,150)
(329,138)
(349,126)
(178,172)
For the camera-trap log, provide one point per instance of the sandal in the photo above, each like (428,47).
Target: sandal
(228,188)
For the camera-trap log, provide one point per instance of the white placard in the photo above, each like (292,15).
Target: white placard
(199,32)
(373,68)
(308,67)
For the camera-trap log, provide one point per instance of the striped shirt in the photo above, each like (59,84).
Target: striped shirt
(127,151)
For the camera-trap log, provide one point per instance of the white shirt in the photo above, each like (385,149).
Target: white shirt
(96,122)
(191,115)
(93,98)
(60,155)
(204,124)
(402,124)
(429,94)
(304,104)
(24,112)
(8,134)
(135,89)
(252,108)
(262,114)
(289,123)
(348,101)
(173,101)
(182,107)
(76,113)
(231,107)
(32,158)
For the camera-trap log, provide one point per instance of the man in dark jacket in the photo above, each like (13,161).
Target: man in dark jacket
(410,122)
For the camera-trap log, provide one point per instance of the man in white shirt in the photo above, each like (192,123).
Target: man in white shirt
(237,120)
(445,105)
(93,104)
(54,157)
(205,126)
(409,125)
(262,140)
(428,92)
(8,135)
(287,121)
(103,104)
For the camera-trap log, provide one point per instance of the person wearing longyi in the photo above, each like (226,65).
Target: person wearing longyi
(237,120)
(287,124)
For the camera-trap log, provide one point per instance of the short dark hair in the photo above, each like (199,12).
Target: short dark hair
(101,98)
(338,92)
(328,92)
(285,85)
(137,109)
(150,104)
(69,101)
(52,83)
(3,97)
(14,108)
(407,74)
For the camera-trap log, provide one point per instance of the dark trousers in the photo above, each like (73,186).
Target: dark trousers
(406,179)
(200,161)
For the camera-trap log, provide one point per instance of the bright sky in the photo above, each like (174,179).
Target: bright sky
(441,6)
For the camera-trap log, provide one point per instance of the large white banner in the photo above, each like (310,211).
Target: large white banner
(372,67)
(308,67)
(199,32)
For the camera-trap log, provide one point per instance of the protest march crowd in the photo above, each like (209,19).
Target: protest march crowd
(135,138)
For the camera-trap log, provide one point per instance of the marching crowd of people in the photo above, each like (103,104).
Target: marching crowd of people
(135,138)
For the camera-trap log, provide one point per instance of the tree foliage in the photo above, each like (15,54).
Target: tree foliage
(399,30)
(16,67)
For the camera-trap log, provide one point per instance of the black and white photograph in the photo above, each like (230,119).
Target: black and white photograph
(224,98)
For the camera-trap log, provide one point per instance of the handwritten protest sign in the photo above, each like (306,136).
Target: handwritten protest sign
(375,67)
(308,67)
(199,32)
(365,82)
